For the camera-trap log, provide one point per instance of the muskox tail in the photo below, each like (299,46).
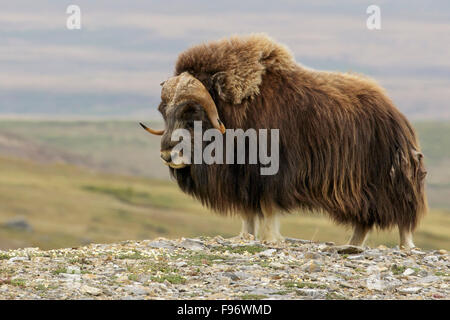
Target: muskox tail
(408,176)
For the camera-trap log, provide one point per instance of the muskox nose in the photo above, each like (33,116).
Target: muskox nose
(165,156)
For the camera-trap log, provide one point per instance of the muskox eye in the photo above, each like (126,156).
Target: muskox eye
(189,124)
(188,112)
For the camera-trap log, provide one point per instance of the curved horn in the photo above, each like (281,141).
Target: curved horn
(156,132)
(204,98)
(197,91)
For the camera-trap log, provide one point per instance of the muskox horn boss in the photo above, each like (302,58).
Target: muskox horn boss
(185,87)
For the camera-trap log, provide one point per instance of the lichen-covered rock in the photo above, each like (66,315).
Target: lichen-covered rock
(218,268)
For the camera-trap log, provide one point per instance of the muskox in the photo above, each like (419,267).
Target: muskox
(344,148)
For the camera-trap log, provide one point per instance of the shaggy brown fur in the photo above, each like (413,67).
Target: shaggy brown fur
(344,147)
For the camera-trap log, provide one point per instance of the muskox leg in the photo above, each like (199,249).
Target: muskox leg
(248,227)
(359,235)
(406,238)
(268,228)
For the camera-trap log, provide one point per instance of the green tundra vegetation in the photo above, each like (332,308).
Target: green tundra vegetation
(77,182)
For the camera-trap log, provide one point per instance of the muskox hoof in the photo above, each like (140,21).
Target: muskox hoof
(272,239)
(407,248)
(243,236)
(406,239)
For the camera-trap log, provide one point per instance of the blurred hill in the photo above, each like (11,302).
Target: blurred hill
(66,183)
(109,146)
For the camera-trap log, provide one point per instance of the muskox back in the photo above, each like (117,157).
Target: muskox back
(344,147)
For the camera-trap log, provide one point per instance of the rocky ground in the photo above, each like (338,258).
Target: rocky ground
(217,268)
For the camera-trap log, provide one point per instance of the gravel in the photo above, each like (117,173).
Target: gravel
(218,268)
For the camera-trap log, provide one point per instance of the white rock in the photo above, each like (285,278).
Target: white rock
(347,285)
(16,259)
(91,290)
(311,292)
(260,291)
(71,277)
(409,272)
(268,252)
(136,290)
(277,265)
(409,290)
(161,244)
(191,244)
(431,259)
(356,257)
(181,264)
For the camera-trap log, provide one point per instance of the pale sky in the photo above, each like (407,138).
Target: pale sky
(114,64)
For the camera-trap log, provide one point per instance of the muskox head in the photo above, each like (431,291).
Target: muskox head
(184,99)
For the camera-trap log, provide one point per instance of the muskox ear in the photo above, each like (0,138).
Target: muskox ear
(219,84)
